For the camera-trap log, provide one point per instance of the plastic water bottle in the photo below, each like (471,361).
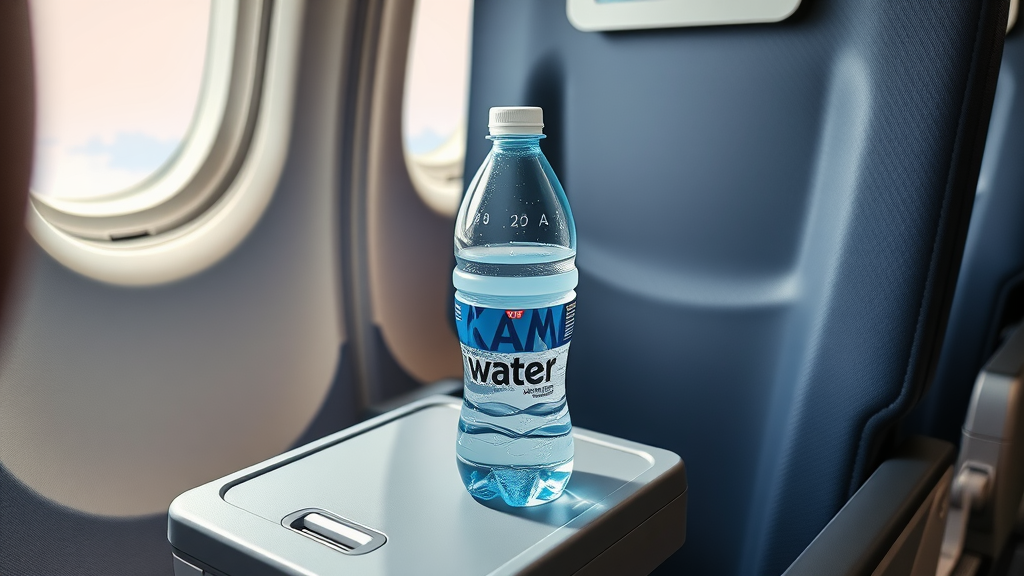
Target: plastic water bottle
(515,304)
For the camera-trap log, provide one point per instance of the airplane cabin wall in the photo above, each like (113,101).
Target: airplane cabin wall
(113,399)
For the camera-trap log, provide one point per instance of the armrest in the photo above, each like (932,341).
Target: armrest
(893,524)
(989,480)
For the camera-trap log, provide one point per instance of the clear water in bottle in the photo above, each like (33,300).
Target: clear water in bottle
(515,304)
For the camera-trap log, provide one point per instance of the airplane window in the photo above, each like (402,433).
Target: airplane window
(436,91)
(117,86)
(163,128)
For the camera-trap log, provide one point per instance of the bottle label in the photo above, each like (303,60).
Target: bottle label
(515,356)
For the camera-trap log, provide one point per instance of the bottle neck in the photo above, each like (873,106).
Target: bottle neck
(517,143)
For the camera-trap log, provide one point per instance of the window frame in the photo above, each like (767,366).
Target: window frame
(438,175)
(181,233)
(218,135)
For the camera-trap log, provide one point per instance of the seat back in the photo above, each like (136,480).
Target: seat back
(990,291)
(770,220)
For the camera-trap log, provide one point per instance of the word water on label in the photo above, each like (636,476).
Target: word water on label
(534,372)
(515,352)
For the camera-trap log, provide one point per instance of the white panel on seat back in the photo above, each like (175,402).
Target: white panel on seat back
(594,15)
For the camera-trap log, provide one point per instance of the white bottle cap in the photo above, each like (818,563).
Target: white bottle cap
(516,120)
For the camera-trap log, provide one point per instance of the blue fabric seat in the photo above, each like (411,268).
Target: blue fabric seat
(770,224)
(990,292)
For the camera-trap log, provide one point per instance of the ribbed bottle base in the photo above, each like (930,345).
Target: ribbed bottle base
(517,486)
